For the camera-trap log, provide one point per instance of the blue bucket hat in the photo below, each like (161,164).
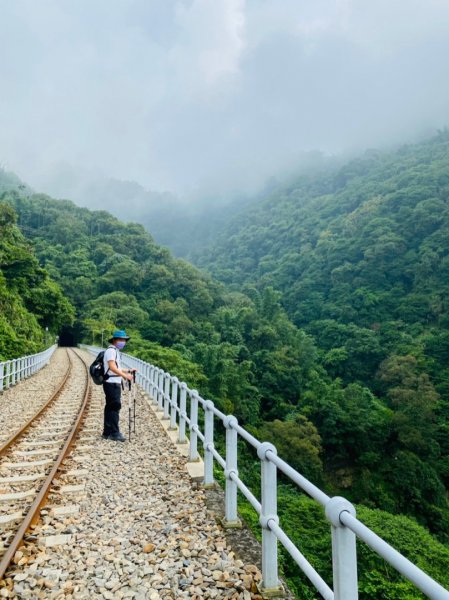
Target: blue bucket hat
(119,333)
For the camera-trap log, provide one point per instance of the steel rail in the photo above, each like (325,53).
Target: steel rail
(15,436)
(33,513)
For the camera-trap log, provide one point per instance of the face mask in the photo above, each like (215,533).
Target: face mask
(120,345)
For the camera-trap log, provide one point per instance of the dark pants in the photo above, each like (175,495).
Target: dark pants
(113,392)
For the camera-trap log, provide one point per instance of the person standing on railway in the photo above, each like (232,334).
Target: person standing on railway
(113,385)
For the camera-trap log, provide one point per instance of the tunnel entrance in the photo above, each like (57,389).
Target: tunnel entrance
(67,336)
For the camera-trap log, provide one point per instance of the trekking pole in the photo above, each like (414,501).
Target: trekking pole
(134,400)
(129,410)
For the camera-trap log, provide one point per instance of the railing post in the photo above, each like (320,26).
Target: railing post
(193,449)
(231,517)
(153,372)
(140,372)
(8,374)
(167,397)
(160,391)
(154,380)
(147,378)
(14,372)
(143,371)
(182,414)
(174,404)
(208,444)
(344,551)
(150,382)
(270,581)
(2,371)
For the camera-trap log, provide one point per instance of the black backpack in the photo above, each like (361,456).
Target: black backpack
(96,369)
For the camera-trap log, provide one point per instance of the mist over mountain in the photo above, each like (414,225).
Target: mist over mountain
(183,223)
(214,95)
(171,220)
(9,181)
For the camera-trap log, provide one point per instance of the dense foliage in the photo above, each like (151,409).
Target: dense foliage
(29,300)
(360,257)
(242,349)
(304,522)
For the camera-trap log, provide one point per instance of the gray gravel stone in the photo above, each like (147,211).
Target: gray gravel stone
(136,495)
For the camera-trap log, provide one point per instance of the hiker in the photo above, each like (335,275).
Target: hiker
(113,385)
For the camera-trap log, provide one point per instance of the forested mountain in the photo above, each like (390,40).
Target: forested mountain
(238,347)
(353,401)
(360,258)
(182,225)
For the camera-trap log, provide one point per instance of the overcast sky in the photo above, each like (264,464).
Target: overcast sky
(184,94)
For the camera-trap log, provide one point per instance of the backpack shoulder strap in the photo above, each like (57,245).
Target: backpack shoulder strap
(116,354)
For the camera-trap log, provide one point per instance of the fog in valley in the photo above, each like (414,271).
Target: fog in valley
(210,99)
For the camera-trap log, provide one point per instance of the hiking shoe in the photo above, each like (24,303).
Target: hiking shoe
(117,438)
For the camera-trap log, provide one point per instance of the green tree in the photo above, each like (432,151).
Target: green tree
(298,443)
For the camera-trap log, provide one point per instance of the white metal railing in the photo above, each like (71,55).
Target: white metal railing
(170,395)
(14,370)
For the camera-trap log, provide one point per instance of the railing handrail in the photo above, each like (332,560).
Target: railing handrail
(345,527)
(15,369)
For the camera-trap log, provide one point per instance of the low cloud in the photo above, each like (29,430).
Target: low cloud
(184,95)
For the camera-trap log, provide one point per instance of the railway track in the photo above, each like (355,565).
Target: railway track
(31,459)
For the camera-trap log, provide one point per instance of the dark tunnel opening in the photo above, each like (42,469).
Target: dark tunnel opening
(68,336)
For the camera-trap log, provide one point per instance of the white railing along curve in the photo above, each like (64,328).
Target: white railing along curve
(14,370)
(170,395)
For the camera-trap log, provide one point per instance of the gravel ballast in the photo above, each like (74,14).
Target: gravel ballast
(20,402)
(133,524)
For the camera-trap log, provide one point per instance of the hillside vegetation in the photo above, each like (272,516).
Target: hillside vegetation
(243,350)
(29,300)
(360,258)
